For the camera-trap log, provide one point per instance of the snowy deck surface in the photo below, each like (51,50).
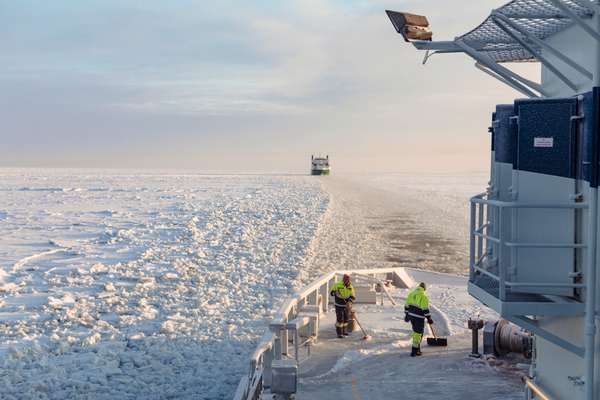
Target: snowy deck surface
(382,367)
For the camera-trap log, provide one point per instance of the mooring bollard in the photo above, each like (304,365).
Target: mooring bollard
(475,325)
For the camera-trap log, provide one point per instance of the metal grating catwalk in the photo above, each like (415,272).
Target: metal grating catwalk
(540,18)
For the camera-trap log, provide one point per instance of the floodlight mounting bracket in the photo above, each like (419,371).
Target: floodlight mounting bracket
(517,32)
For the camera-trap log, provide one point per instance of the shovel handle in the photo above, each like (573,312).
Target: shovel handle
(432,330)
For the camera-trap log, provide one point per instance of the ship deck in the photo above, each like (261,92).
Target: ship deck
(382,367)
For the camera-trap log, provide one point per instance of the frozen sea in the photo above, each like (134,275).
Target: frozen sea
(116,284)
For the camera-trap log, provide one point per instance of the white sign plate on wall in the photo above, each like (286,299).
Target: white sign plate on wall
(543,142)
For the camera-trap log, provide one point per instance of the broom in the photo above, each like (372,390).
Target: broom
(365,337)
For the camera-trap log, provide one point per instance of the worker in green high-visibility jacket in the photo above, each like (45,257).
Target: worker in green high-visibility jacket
(417,311)
(344,295)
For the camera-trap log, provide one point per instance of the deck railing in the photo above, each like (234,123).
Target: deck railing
(296,318)
(484,236)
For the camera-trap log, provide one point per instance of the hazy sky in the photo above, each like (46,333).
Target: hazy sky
(239,86)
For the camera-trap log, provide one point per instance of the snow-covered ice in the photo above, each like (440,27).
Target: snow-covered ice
(116,285)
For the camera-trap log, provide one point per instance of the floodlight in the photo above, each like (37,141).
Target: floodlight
(410,26)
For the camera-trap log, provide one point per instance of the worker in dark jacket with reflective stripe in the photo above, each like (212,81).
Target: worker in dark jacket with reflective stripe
(417,311)
(344,296)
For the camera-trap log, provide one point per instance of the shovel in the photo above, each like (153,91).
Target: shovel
(436,341)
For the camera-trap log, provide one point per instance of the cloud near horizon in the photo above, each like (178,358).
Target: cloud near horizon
(239,86)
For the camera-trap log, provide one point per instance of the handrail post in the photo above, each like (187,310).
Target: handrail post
(277,347)
(480,223)
(501,267)
(472,242)
(325,296)
(590,296)
(490,220)
(513,238)
(284,337)
(296,344)
(313,298)
(267,368)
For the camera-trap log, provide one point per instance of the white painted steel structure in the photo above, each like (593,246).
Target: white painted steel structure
(530,31)
(534,237)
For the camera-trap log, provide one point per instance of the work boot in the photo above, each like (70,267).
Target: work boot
(339,332)
(419,351)
(345,331)
(414,351)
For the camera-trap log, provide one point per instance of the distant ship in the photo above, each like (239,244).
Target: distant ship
(319,165)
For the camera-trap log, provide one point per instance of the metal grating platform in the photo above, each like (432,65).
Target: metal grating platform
(539,18)
(519,32)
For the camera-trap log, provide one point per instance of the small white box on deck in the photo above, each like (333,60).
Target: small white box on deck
(285,376)
(365,294)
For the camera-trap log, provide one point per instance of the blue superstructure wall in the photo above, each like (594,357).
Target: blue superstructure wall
(504,134)
(557,137)
(546,136)
(591,126)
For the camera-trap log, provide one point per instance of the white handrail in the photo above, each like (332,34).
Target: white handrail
(476,253)
(317,284)
(479,199)
(264,345)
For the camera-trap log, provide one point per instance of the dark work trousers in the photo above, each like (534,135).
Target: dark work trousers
(418,327)
(341,316)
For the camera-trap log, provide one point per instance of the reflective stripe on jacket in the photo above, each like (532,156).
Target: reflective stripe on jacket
(343,294)
(417,304)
